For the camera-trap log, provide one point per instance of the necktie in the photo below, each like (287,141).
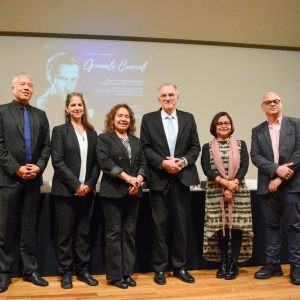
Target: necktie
(27,135)
(172,136)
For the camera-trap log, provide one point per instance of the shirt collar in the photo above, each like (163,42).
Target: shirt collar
(164,114)
(277,122)
(19,105)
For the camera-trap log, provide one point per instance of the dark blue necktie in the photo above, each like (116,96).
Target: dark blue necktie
(27,135)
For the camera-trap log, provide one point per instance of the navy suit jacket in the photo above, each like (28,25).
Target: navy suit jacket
(12,144)
(262,155)
(66,161)
(156,149)
(113,159)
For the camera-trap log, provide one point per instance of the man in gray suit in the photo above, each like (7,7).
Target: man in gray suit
(171,146)
(275,151)
(24,154)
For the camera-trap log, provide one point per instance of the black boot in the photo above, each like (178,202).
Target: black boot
(221,273)
(233,269)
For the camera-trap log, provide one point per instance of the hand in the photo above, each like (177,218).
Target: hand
(135,184)
(232,185)
(284,171)
(86,189)
(176,160)
(237,181)
(171,165)
(227,196)
(80,191)
(29,171)
(274,184)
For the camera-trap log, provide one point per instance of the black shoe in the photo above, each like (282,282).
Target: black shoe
(4,283)
(233,270)
(36,279)
(269,271)
(160,278)
(221,273)
(184,275)
(122,284)
(87,278)
(295,274)
(129,280)
(66,282)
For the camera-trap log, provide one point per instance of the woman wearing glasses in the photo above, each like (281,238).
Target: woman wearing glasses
(228,221)
(76,171)
(123,164)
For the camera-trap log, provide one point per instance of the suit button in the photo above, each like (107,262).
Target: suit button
(120,158)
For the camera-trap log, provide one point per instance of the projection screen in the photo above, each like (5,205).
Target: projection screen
(210,79)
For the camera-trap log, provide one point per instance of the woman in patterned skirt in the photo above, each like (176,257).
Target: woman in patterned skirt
(228,221)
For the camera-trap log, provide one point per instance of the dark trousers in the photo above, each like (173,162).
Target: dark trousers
(169,207)
(18,203)
(274,206)
(120,218)
(235,242)
(73,217)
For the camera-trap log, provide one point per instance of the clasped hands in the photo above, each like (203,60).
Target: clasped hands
(135,184)
(172,165)
(82,190)
(29,171)
(284,172)
(230,189)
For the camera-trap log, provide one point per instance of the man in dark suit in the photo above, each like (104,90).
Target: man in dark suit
(171,146)
(24,154)
(275,151)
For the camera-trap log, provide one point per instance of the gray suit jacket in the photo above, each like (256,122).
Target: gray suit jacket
(12,144)
(289,151)
(156,149)
(113,159)
(66,161)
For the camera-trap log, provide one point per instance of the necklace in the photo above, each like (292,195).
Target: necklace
(123,136)
(77,127)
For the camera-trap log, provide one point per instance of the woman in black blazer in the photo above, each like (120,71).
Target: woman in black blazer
(122,161)
(76,171)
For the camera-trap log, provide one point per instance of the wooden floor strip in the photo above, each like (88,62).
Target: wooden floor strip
(207,286)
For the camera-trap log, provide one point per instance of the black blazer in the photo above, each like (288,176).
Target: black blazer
(12,144)
(289,151)
(113,159)
(66,161)
(156,149)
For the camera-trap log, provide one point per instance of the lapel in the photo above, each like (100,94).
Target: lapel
(90,142)
(35,127)
(16,117)
(133,147)
(160,127)
(120,144)
(283,129)
(266,132)
(181,121)
(72,133)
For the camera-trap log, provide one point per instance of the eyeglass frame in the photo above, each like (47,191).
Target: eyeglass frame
(164,96)
(221,124)
(269,102)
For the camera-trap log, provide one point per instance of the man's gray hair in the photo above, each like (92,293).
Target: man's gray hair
(15,79)
(166,84)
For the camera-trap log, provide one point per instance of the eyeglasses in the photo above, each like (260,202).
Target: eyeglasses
(226,123)
(269,103)
(164,96)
